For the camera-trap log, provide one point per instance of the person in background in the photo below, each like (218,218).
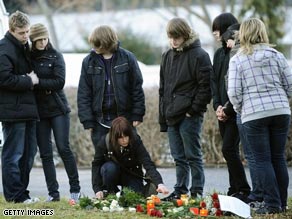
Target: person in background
(259,85)
(53,110)
(128,149)
(18,110)
(238,185)
(184,93)
(110,85)
(255,198)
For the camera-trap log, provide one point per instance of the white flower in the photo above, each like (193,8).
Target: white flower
(105,209)
(132,209)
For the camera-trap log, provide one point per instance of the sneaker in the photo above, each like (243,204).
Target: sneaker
(268,210)
(254,204)
(53,199)
(171,197)
(31,200)
(75,196)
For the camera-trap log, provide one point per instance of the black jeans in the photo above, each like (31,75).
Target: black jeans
(18,154)
(230,150)
(60,126)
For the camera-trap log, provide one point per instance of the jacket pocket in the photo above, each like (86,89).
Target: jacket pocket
(180,104)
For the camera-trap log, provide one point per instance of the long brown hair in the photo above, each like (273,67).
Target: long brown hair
(120,127)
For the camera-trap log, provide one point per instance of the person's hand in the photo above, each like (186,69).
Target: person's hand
(136,123)
(230,43)
(34,78)
(90,130)
(219,111)
(188,115)
(99,195)
(162,189)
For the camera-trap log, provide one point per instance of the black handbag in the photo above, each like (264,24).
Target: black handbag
(149,186)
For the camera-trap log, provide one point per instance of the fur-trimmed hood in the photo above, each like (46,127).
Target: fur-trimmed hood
(193,37)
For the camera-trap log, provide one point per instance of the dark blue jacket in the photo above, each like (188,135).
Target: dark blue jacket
(49,65)
(127,84)
(17,100)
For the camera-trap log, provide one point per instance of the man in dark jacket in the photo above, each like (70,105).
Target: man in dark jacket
(18,109)
(110,85)
(184,93)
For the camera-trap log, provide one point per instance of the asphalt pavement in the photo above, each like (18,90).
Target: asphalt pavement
(216,178)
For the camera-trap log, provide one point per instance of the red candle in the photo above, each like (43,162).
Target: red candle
(195,211)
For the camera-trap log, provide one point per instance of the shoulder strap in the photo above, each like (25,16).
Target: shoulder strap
(121,165)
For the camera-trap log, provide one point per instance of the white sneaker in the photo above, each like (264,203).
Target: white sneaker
(31,200)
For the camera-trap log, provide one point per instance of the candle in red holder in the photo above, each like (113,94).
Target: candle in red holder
(150,206)
(203,212)
(195,211)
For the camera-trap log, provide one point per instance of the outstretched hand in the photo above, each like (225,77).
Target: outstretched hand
(162,189)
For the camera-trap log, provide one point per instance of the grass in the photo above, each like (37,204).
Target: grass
(62,210)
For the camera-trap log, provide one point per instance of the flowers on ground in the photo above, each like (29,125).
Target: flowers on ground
(154,207)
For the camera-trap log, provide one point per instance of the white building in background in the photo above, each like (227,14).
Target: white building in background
(3,29)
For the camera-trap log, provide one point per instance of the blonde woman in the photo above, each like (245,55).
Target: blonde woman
(259,85)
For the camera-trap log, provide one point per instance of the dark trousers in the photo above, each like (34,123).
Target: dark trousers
(18,154)
(230,150)
(113,175)
(60,125)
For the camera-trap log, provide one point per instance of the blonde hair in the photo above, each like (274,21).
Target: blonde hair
(252,31)
(104,38)
(18,19)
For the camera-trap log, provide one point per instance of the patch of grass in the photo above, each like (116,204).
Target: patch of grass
(62,210)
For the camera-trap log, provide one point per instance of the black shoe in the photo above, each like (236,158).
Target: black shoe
(241,196)
(196,195)
(171,197)
(268,210)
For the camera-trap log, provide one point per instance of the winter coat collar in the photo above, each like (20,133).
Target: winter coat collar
(188,43)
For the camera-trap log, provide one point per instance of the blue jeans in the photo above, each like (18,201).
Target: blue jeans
(230,149)
(18,154)
(113,175)
(256,193)
(60,125)
(185,147)
(267,139)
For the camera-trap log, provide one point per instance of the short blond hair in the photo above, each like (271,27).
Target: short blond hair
(105,38)
(252,31)
(18,19)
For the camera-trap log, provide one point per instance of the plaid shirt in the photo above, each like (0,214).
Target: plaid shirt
(260,84)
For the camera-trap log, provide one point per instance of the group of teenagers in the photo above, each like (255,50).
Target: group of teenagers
(249,82)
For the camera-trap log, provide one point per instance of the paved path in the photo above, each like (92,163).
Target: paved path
(216,179)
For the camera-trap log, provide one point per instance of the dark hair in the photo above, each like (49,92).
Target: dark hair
(229,33)
(223,21)
(120,127)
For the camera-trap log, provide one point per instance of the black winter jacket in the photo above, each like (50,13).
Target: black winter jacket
(218,80)
(184,83)
(134,157)
(49,65)
(17,100)
(127,83)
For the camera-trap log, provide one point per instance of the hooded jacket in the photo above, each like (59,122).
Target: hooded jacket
(17,100)
(184,82)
